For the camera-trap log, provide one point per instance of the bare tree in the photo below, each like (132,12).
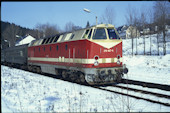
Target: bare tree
(69,27)
(150,21)
(136,25)
(40,30)
(51,30)
(158,34)
(161,12)
(88,24)
(108,16)
(143,23)
(11,31)
(129,15)
(47,30)
(130,20)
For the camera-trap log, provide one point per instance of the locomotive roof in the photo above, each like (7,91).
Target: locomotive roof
(67,36)
(98,26)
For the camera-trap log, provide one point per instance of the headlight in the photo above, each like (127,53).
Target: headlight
(118,56)
(118,62)
(96,58)
(96,63)
(118,59)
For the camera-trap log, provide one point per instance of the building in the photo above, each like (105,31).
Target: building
(25,40)
(146,31)
(128,32)
(167,27)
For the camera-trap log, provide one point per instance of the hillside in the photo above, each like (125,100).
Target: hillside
(10,30)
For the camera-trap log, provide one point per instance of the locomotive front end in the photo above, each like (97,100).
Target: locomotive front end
(106,54)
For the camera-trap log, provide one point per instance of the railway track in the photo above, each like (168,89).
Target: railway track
(147,84)
(125,81)
(129,95)
(137,97)
(125,94)
(144,92)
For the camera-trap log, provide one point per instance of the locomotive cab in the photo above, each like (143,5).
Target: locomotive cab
(101,32)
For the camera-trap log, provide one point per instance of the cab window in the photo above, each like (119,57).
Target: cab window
(99,34)
(85,34)
(89,36)
(112,34)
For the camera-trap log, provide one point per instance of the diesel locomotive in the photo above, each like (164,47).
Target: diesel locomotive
(92,55)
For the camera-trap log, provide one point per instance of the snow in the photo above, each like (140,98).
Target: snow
(148,68)
(153,69)
(28,92)
(4,106)
(23,91)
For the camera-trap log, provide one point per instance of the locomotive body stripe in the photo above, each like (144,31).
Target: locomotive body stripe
(75,60)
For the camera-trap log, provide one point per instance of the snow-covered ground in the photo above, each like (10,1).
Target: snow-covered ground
(23,91)
(147,68)
(155,69)
(28,92)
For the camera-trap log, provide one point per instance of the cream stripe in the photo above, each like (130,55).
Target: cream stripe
(107,44)
(76,60)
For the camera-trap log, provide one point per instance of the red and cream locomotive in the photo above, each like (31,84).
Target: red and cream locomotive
(92,55)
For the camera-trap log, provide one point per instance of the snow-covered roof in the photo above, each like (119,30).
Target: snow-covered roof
(25,40)
(122,28)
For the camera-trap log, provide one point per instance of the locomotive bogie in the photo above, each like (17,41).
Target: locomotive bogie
(104,75)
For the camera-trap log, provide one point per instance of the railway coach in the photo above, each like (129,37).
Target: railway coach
(15,56)
(92,55)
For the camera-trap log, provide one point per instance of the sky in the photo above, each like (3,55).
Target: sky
(29,14)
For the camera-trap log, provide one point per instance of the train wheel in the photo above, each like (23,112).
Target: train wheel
(29,68)
(34,69)
(56,72)
(82,78)
(72,77)
(78,80)
(38,70)
(119,79)
(64,74)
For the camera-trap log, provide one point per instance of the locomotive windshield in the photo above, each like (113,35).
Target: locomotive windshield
(99,34)
(112,34)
